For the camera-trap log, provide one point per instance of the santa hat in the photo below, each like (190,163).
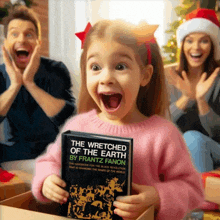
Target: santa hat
(201,20)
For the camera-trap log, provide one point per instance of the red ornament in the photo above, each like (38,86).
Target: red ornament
(5,176)
(82,35)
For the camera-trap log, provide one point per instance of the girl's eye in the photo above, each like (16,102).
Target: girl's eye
(95,67)
(121,67)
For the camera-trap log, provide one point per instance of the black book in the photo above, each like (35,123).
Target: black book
(97,168)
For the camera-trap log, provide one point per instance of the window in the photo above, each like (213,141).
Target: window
(153,12)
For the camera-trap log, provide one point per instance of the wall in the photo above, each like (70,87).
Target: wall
(41,10)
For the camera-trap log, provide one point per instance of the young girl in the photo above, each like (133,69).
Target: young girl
(195,93)
(123,93)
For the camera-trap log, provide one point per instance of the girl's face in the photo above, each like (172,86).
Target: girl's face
(197,47)
(113,81)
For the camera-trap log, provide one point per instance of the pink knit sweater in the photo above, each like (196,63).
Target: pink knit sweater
(161,159)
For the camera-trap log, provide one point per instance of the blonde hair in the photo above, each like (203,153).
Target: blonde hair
(152,98)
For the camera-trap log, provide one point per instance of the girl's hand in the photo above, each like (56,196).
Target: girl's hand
(204,84)
(52,189)
(131,207)
(183,84)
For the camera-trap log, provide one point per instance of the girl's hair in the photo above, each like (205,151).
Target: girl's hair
(23,13)
(209,65)
(152,98)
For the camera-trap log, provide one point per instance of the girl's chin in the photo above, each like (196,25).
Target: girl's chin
(109,117)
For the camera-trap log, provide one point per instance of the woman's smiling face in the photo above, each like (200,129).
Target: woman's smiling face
(197,47)
(113,80)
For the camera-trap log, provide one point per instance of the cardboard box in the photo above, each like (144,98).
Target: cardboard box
(25,177)
(212,188)
(211,216)
(12,188)
(25,207)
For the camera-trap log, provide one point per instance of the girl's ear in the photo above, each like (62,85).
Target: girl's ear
(147,73)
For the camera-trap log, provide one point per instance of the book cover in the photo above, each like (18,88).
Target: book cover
(97,168)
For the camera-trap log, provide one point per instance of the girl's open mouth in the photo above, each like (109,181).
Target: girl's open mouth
(111,101)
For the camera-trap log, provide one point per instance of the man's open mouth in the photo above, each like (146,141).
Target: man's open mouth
(111,101)
(22,55)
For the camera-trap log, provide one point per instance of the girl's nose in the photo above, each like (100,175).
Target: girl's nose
(107,77)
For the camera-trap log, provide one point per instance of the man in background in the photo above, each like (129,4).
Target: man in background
(35,92)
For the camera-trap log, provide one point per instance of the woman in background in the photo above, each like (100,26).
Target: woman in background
(195,87)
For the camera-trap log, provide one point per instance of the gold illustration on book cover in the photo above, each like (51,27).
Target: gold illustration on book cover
(93,202)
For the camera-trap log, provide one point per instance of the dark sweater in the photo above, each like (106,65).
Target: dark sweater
(190,119)
(26,124)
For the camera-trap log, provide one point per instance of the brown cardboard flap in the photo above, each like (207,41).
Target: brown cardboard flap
(2,194)
(14,187)
(212,190)
(24,176)
(9,213)
(211,216)
(27,201)
(25,207)
(19,201)
(148,214)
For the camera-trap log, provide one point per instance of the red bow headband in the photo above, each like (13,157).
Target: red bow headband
(144,34)
(82,35)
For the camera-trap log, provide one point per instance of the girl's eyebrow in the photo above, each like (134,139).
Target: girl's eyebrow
(119,54)
(92,55)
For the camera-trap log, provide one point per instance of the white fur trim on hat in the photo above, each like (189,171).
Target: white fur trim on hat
(200,25)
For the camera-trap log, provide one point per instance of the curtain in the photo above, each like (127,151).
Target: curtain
(66,17)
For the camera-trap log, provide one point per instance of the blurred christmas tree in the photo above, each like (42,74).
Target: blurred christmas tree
(171,50)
